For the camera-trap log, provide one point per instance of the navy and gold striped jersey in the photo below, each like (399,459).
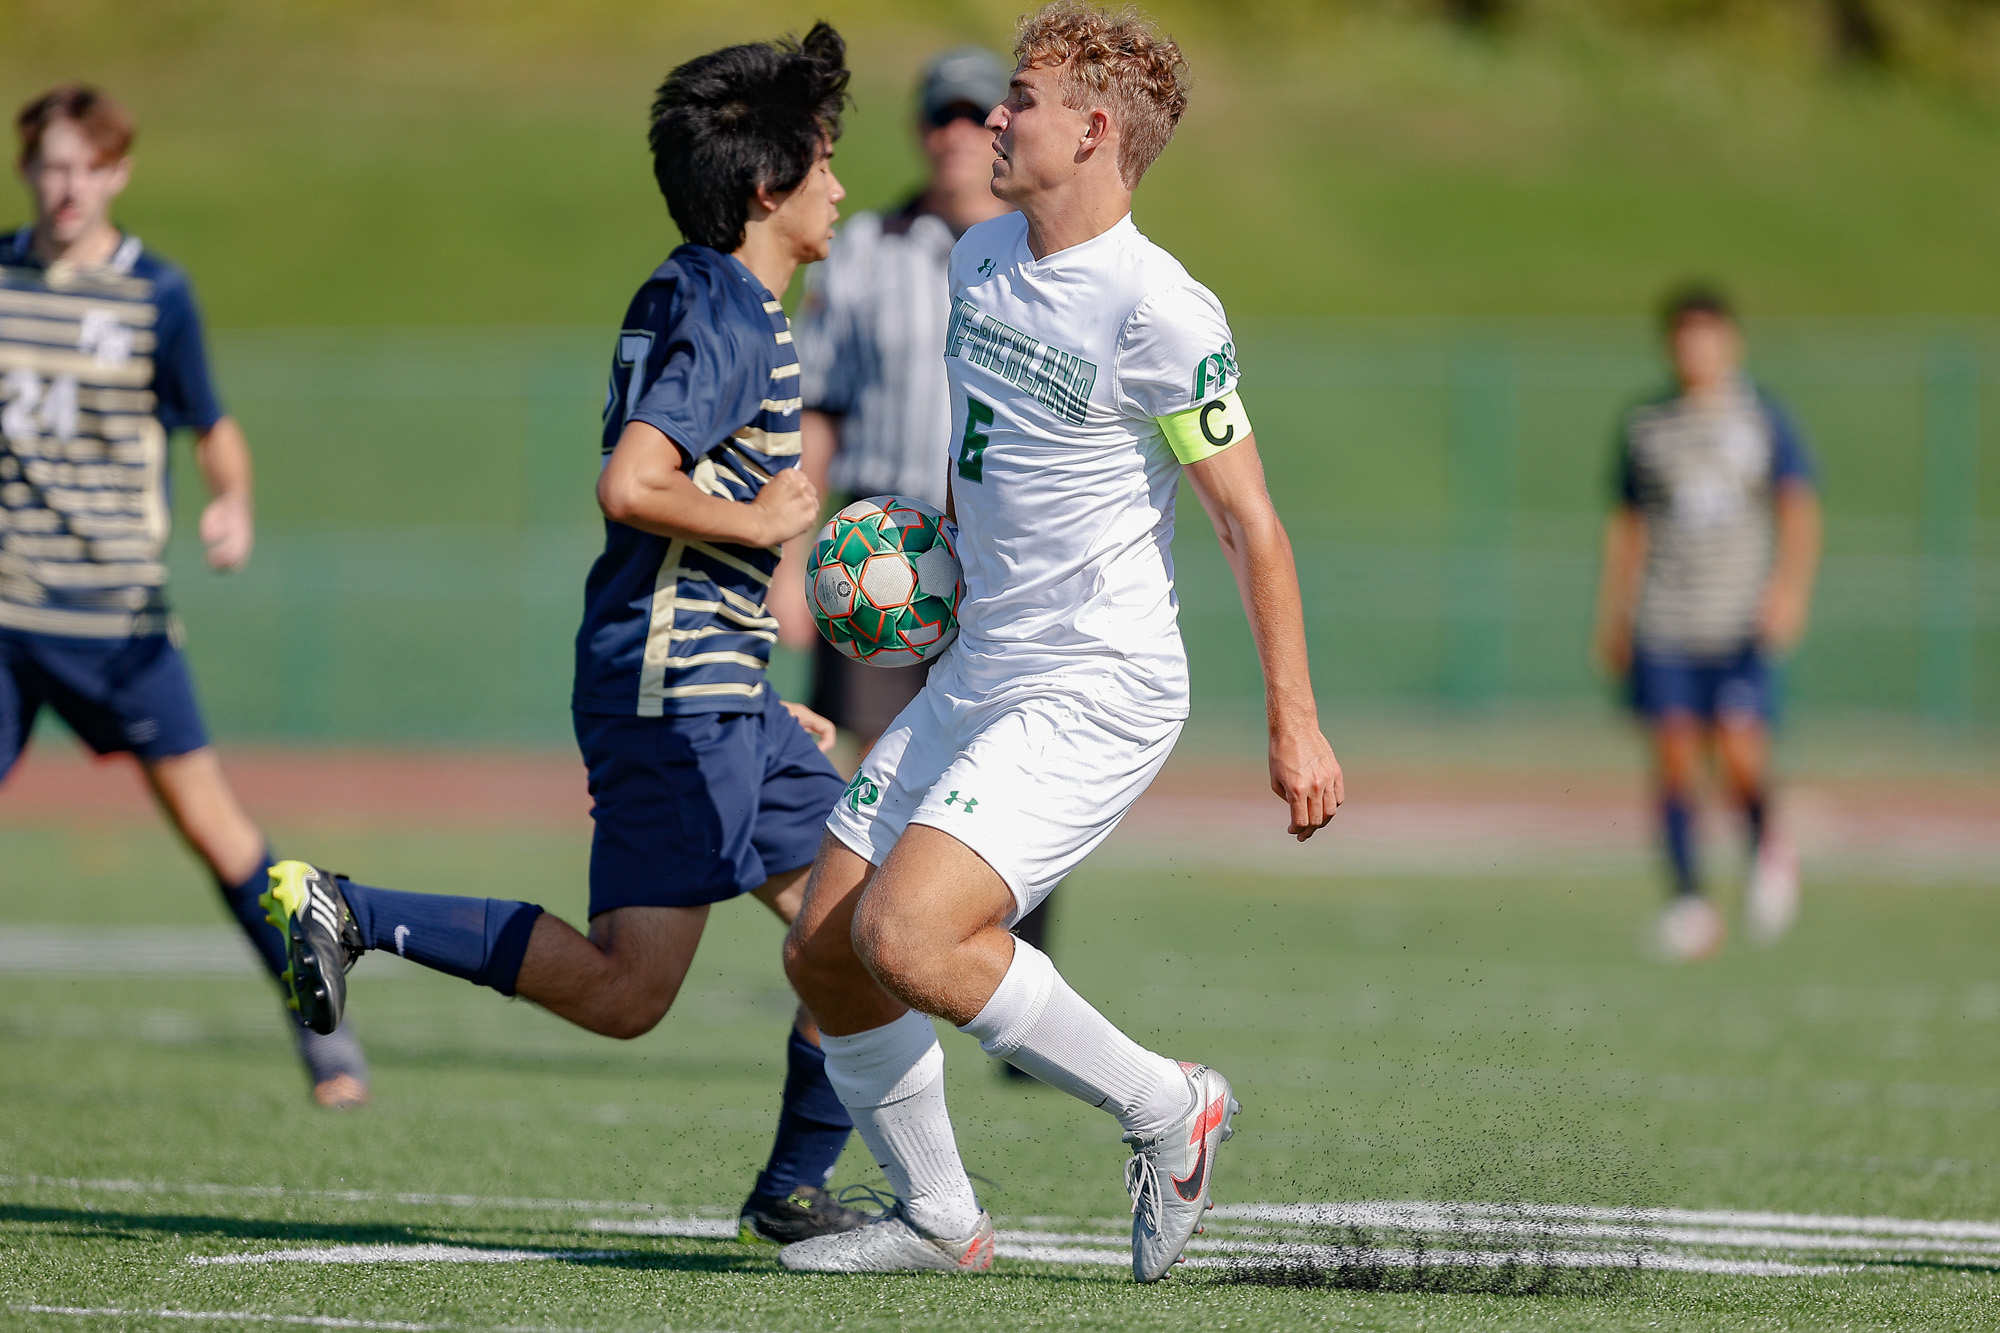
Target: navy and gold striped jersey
(1705,475)
(98,366)
(674,626)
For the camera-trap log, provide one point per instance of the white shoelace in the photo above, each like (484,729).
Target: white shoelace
(1142,1181)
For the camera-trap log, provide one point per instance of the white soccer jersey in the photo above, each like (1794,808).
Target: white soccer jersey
(1079,383)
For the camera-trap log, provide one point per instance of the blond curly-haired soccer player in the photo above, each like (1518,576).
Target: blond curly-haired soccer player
(1089,373)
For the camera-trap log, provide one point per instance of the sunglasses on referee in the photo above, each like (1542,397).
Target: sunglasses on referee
(954,112)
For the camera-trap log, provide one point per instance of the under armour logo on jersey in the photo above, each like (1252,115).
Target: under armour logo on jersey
(969,801)
(986,268)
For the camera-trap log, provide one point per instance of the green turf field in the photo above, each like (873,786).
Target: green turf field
(1392,1039)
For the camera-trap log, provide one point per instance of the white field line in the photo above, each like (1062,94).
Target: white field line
(1263,1226)
(1091,1248)
(1742,1238)
(1647,1261)
(234,1316)
(696,1228)
(258,1317)
(1423,1215)
(1326,1256)
(401,1254)
(129,950)
(408,1198)
(1225,1254)
(182,951)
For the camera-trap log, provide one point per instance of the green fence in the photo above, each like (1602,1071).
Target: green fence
(426,520)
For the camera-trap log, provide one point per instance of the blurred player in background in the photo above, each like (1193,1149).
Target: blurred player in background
(1709,562)
(706,786)
(1089,373)
(101,361)
(871,375)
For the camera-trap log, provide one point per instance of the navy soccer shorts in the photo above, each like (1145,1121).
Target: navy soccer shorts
(1735,687)
(118,695)
(698,809)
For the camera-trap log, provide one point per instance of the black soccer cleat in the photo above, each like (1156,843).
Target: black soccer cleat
(321,941)
(806,1212)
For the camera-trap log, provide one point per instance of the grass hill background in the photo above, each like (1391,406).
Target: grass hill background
(443,163)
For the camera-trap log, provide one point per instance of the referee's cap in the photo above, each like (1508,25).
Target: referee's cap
(963,76)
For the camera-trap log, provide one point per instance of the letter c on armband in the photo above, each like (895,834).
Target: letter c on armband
(1208,432)
(1205,431)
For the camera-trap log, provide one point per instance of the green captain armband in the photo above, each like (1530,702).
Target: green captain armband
(1205,431)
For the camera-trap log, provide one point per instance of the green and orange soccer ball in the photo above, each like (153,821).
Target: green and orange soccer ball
(884,581)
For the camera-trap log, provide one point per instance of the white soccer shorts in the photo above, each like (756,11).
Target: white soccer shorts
(1031,784)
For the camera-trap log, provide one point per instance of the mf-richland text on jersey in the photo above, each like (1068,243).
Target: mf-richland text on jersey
(1060,381)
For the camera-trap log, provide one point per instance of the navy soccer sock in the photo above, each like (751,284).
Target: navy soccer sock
(812,1128)
(1677,821)
(249,914)
(480,939)
(1753,815)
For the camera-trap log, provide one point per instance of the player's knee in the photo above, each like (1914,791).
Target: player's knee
(890,946)
(630,1007)
(626,1026)
(798,957)
(634,1017)
(816,958)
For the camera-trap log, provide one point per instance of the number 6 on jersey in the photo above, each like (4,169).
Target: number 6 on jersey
(972,450)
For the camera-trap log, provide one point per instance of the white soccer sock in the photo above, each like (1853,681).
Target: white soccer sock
(891,1080)
(1041,1026)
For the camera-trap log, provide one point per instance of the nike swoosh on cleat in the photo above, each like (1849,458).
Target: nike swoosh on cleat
(1189,1188)
(1210,1119)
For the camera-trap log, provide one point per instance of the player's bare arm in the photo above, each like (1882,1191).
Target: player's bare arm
(643,486)
(228,529)
(1788,598)
(1618,589)
(1304,772)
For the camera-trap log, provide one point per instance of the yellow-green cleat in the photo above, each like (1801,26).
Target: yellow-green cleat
(321,941)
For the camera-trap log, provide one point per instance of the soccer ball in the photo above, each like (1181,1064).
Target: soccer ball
(884,581)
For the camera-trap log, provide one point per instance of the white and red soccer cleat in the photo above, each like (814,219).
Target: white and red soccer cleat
(1773,901)
(890,1244)
(1168,1175)
(1689,930)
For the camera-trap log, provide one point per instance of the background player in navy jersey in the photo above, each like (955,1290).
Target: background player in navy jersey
(1709,564)
(101,361)
(707,787)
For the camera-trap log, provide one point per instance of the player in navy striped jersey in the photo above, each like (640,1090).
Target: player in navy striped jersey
(1709,563)
(101,362)
(707,786)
